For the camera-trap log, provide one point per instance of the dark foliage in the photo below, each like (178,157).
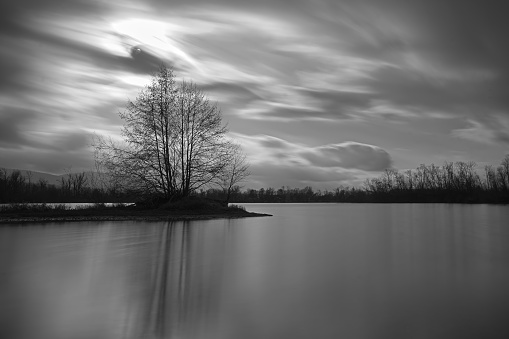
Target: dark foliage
(74,187)
(458,182)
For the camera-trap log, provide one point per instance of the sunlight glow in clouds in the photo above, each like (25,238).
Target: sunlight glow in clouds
(155,35)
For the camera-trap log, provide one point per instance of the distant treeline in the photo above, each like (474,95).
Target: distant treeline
(459,182)
(73,187)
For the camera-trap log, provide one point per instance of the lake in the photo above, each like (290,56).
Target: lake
(310,271)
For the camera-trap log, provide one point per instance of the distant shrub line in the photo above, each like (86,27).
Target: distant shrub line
(459,182)
(73,187)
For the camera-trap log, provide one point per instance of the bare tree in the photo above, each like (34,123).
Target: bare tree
(30,175)
(173,140)
(503,173)
(203,150)
(65,184)
(79,182)
(236,171)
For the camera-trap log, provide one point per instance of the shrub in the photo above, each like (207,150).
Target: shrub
(237,207)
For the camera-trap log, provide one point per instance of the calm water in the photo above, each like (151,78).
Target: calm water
(311,271)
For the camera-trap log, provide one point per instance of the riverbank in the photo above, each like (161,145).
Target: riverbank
(120,213)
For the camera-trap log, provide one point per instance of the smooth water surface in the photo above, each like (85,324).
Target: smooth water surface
(310,271)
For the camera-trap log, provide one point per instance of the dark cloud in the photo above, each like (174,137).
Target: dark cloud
(462,40)
(70,141)
(312,105)
(13,123)
(465,33)
(340,104)
(439,56)
(491,129)
(12,70)
(349,155)
(406,88)
(14,15)
(51,152)
(21,129)
(144,60)
(458,33)
(234,92)
(289,113)
(502,137)
(50,161)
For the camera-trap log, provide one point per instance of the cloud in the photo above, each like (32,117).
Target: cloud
(272,111)
(276,160)
(492,130)
(25,143)
(376,64)
(302,104)
(49,161)
(349,155)
(13,123)
(51,152)
(69,141)
(231,92)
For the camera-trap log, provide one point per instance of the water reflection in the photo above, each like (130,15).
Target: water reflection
(311,271)
(112,281)
(183,284)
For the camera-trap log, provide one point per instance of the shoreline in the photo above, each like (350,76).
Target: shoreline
(28,218)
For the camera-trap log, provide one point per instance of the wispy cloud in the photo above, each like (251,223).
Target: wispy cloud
(493,130)
(276,159)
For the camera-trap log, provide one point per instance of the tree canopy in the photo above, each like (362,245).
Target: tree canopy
(174,141)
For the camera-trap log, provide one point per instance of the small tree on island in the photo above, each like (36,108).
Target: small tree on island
(174,141)
(235,172)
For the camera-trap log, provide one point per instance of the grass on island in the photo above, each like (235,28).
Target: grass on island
(188,208)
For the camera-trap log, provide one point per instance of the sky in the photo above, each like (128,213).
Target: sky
(318,92)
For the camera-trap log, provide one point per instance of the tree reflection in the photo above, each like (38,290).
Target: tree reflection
(129,280)
(184,283)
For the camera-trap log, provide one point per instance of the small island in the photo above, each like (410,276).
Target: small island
(190,208)
(174,144)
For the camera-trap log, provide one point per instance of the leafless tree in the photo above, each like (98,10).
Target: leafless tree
(30,175)
(236,171)
(65,184)
(79,182)
(173,140)
(503,173)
